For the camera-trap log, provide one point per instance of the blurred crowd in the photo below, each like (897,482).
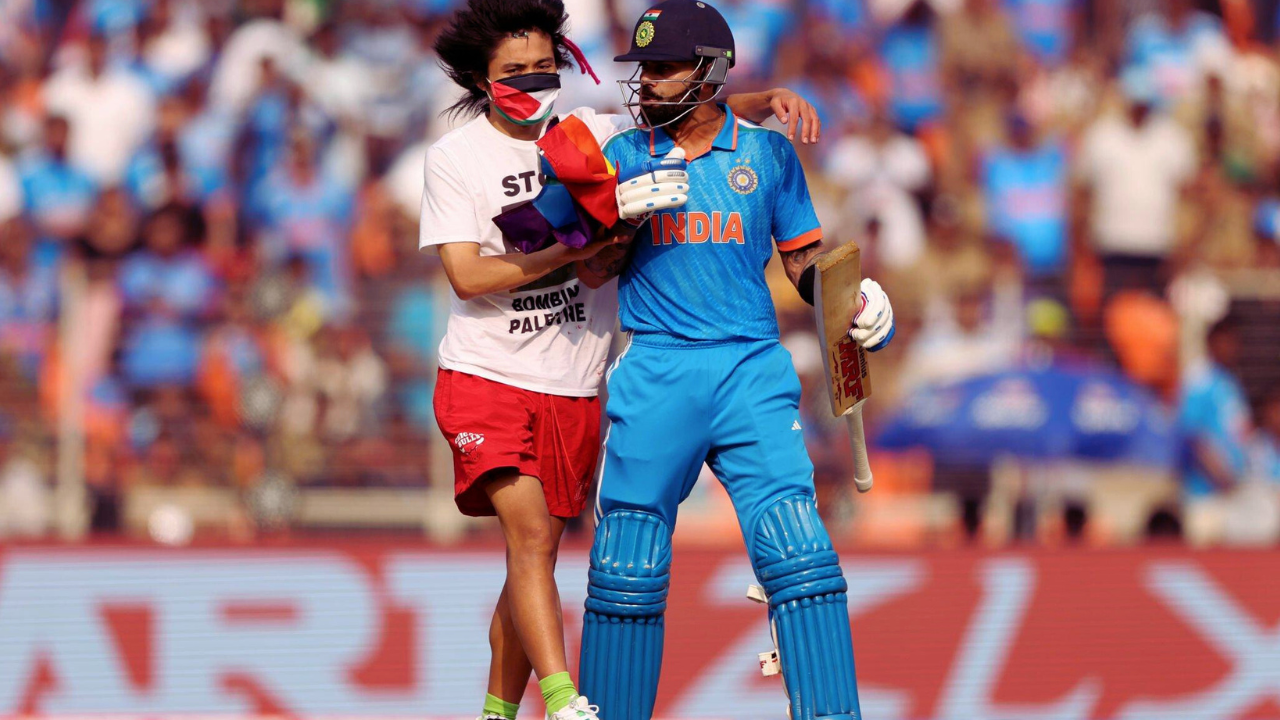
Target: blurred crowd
(208,219)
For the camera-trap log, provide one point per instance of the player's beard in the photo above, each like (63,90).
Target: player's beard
(663,114)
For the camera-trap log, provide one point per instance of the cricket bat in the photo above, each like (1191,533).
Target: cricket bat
(837,298)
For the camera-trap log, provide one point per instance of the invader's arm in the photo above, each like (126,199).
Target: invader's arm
(791,110)
(607,264)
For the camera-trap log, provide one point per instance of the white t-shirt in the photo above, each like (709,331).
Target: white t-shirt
(10,191)
(110,118)
(551,336)
(239,70)
(880,180)
(1137,175)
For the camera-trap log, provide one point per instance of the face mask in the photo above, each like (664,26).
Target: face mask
(525,99)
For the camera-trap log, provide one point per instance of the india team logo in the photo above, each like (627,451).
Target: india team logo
(644,34)
(743,180)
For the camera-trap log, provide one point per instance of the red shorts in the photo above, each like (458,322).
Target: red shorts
(490,425)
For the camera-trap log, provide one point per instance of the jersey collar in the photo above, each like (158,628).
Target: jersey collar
(660,143)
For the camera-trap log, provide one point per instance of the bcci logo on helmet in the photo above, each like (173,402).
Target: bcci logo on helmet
(644,34)
(743,180)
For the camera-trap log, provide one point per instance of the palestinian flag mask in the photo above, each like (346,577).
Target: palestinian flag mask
(525,99)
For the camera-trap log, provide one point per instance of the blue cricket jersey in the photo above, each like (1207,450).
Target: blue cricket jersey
(1213,408)
(1027,196)
(697,272)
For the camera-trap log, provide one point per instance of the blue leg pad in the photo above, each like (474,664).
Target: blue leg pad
(808,608)
(622,630)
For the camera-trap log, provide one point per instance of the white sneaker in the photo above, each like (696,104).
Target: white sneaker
(577,709)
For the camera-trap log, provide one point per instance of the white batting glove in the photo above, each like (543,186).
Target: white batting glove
(652,186)
(873,326)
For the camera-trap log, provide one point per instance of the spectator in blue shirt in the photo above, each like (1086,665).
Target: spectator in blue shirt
(207,135)
(28,299)
(1176,48)
(1025,187)
(826,84)
(1265,456)
(850,17)
(1214,417)
(1266,218)
(911,55)
(157,176)
(168,288)
(759,27)
(1047,27)
(169,276)
(58,197)
(309,214)
(112,17)
(265,130)
(160,173)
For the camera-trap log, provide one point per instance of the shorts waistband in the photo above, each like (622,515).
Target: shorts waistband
(663,340)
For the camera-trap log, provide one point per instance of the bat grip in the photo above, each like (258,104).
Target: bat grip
(858,438)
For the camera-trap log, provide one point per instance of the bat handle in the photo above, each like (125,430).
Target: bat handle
(861,463)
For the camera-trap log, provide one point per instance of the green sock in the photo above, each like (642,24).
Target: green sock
(497,706)
(557,691)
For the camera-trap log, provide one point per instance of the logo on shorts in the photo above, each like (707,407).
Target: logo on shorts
(644,34)
(743,180)
(796,425)
(468,442)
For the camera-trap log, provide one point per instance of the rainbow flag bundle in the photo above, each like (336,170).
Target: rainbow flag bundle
(579,190)
(551,217)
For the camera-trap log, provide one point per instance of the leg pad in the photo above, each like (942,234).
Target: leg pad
(808,609)
(622,630)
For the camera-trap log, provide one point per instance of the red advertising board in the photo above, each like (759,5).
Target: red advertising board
(399,631)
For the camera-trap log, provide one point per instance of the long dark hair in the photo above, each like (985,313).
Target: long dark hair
(467,45)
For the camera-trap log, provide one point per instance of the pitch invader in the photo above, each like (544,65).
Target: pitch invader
(525,347)
(704,378)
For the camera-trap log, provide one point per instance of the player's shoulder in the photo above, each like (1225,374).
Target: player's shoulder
(774,144)
(631,140)
(760,136)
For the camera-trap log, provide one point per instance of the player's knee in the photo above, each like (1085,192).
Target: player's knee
(630,565)
(532,540)
(792,553)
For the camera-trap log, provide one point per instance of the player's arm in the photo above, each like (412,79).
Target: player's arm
(873,326)
(472,274)
(795,227)
(791,110)
(799,266)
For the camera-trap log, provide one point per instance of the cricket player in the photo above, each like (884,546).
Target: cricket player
(526,342)
(704,378)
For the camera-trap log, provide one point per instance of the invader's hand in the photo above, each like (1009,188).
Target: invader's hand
(797,114)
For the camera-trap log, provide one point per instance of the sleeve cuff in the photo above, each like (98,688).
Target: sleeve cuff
(432,245)
(801,241)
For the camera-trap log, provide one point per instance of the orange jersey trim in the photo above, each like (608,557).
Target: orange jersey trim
(805,240)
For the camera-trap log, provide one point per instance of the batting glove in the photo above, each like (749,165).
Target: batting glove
(873,326)
(652,186)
